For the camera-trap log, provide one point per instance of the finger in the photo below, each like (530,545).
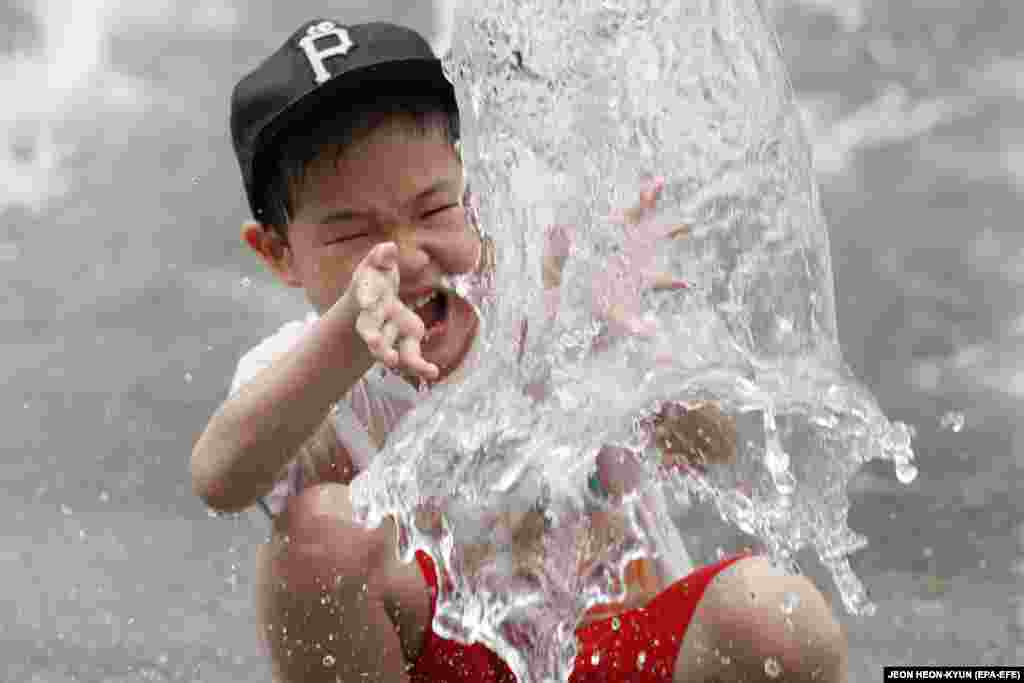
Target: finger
(407,322)
(648,200)
(556,252)
(377,275)
(389,335)
(369,326)
(678,232)
(372,287)
(384,255)
(387,324)
(663,281)
(412,357)
(650,194)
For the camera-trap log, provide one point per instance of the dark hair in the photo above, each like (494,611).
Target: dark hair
(350,122)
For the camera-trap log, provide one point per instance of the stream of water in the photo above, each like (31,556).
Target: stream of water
(567,106)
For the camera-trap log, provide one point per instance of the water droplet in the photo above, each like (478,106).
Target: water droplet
(790,602)
(905,472)
(595,658)
(66,510)
(641,659)
(772,667)
(616,624)
(246,282)
(927,552)
(776,460)
(898,438)
(953,420)
(188,378)
(785,482)
(329,660)
(104,497)
(162,659)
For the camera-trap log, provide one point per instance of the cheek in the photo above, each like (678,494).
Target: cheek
(465,253)
(329,278)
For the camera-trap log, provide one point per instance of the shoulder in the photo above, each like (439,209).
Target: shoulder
(263,354)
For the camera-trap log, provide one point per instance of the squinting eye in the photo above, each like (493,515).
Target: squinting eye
(346,238)
(431,214)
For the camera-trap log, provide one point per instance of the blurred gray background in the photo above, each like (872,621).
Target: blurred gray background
(128,297)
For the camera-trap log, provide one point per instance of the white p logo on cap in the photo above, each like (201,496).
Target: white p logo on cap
(315,56)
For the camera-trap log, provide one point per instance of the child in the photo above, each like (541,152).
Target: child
(346,138)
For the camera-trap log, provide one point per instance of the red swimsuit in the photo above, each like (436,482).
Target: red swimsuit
(641,647)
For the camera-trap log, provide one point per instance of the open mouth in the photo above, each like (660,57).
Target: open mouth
(451,325)
(433,311)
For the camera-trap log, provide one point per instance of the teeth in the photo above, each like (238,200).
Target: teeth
(423,300)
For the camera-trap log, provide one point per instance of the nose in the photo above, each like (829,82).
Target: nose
(412,256)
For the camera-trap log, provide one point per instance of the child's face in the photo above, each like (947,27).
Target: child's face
(391,185)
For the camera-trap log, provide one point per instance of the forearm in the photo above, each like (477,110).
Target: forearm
(257,432)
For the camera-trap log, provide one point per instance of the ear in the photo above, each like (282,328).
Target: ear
(273,250)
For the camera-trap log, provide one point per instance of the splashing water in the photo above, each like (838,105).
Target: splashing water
(953,420)
(566,106)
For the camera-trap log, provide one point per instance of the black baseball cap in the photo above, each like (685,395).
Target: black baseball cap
(321,65)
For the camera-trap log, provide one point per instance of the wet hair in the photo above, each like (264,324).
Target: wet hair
(349,123)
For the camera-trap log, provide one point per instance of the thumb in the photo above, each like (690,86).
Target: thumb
(384,255)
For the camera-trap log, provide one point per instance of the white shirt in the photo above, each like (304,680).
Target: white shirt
(375,403)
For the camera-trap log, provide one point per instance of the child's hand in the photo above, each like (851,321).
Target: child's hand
(382,319)
(630,272)
(617,291)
